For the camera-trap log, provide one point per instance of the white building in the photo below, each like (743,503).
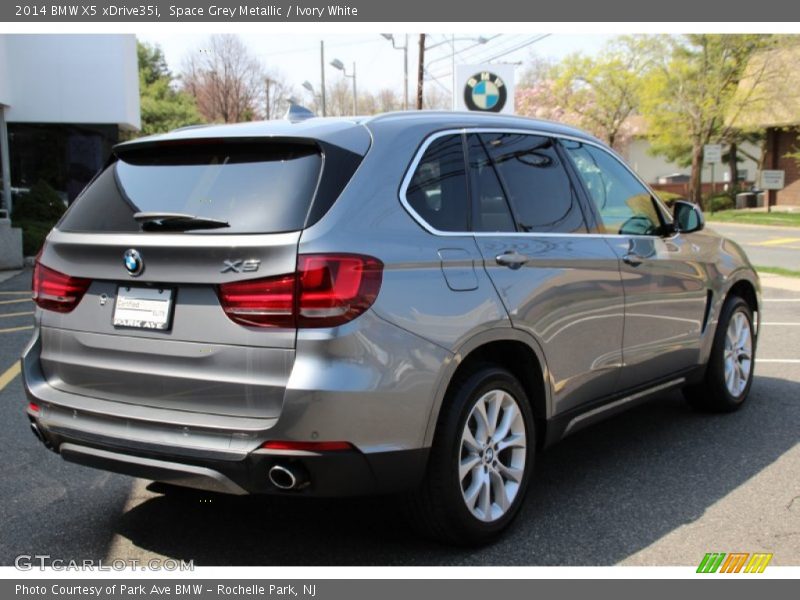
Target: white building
(64,100)
(654,168)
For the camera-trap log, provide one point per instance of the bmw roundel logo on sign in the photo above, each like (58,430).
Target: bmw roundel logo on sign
(133,262)
(485,91)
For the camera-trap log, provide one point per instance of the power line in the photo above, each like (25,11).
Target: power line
(504,51)
(467,49)
(475,55)
(306,49)
(533,41)
(508,41)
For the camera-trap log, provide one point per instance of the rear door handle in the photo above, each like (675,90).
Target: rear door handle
(512,259)
(632,259)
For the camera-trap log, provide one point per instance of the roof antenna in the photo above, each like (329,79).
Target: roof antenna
(297,113)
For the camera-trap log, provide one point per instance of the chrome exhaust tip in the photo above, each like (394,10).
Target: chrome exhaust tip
(37,433)
(40,436)
(287,477)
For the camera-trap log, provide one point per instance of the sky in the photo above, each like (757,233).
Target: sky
(378,65)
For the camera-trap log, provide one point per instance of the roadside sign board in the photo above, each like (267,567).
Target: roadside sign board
(712,153)
(773,180)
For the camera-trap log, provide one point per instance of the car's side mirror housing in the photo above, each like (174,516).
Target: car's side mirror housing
(688,217)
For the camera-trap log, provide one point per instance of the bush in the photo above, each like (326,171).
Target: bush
(41,203)
(36,213)
(33,235)
(719,202)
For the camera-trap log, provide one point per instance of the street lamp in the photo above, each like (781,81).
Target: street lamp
(404,48)
(337,64)
(310,88)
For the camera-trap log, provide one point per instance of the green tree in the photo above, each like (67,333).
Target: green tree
(162,106)
(690,98)
(152,63)
(603,91)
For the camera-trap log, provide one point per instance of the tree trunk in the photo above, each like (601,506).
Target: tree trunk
(421,71)
(733,163)
(696,178)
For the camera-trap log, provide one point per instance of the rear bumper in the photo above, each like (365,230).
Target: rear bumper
(329,474)
(222,453)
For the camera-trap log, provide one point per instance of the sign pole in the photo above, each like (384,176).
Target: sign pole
(713,180)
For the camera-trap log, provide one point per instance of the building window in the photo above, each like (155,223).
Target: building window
(65,156)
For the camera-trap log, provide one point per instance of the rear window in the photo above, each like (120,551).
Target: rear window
(254,187)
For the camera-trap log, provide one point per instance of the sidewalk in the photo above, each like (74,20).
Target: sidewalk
(6,275)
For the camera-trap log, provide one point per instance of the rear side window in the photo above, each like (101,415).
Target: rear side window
(254,187)
(535,182)
(438,188)
(491,210)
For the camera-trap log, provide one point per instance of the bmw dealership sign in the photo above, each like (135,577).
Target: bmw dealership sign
(485,88)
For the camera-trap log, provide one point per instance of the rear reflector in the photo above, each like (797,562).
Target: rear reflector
(33,407)
(55,291)
(308,446)
(327,290)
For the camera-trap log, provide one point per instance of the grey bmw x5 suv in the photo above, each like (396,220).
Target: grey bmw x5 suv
(415,302)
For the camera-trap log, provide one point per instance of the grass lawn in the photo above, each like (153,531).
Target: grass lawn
(783,219)
(779,271)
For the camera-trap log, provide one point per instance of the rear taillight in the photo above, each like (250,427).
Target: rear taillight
(55,291)
(260,302)
(327,290)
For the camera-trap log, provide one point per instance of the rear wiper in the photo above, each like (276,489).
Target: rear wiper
(169,221)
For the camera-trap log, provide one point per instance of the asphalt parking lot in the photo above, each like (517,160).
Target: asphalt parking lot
(765,246)
(658,485)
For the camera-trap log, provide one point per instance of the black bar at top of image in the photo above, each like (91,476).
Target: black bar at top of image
(310,11)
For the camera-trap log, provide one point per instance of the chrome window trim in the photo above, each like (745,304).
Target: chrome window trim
(560,136)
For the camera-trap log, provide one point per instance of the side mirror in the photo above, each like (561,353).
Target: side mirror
(688,217)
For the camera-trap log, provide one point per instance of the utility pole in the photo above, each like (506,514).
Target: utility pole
(420,70)
(355,98)
(404,48)
(267,107)
(322,72)
(405,75)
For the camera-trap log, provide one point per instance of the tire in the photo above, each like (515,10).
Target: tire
(439,508)
(729,373)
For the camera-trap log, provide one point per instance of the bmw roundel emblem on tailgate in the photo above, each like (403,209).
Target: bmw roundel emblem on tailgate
(485,92)
(133,262)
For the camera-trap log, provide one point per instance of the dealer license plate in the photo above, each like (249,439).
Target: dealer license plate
(143,308)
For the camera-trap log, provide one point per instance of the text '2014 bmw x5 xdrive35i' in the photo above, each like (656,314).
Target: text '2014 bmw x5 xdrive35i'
(407,303)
